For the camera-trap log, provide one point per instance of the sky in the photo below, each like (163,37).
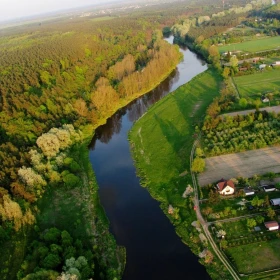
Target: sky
(13,9)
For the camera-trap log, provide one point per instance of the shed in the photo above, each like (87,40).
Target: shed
(248,191)
(268,188)
(271,225)
(275,201)
(170,209)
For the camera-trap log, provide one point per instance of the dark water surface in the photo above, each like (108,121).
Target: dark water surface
(154,251)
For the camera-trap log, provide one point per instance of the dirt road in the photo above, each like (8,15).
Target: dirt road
(275,109)
(245,164)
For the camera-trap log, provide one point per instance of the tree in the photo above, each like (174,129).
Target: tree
(221,233)
(251,223)
(223,244)
(51,261)
(199,152)
(270,213)
(198,165)
(214,197)
(259,219)
(243,102)
(207,211)
(226,72)
(233,63)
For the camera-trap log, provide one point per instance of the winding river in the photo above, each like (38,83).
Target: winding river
(154,251)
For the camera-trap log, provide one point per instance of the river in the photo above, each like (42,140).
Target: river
(154,251)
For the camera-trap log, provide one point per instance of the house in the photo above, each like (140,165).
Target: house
(248,191)
(275,201)
(264,99)
(268,188)
(276,63)
(271,225)
(225,187)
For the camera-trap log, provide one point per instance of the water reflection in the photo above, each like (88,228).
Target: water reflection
(182,74)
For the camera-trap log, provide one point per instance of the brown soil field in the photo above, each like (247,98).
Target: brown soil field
(245,164)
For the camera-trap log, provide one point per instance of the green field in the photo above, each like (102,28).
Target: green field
(258,257)
(258,83)
(257,45)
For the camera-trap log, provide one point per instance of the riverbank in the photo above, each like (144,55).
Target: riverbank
(161,142)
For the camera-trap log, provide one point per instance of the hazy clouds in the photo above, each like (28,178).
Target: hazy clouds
(10,9)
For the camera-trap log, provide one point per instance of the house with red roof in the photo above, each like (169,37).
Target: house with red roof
(225,187)
(271,225)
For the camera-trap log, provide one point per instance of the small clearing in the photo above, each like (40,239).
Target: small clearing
(245,164)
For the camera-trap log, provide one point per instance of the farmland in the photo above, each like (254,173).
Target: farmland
(245,164)
(258,83)
(256,45)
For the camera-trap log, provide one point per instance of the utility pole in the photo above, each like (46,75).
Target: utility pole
(223,4)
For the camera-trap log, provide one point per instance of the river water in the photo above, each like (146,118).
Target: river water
(154,251)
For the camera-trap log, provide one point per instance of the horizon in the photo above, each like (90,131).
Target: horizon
(12,10)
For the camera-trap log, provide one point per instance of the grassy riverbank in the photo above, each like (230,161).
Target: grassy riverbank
(161,143)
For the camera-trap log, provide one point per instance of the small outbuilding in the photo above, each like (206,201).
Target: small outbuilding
(225,187)
(248,191)
(271,225)
(170,209)
(275,201)
(262,66)
(268,188)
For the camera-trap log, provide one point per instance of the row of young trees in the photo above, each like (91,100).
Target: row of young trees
(240,133)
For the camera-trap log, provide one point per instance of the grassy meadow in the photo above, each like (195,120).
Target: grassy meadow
(256,45)
(262,82)
(163,137)
(263,256)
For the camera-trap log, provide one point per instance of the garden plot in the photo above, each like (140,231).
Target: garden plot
(244,164)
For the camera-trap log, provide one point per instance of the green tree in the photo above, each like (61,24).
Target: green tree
(259,219)
(214,197)
(198,165)
(251,223)
(243,102)
(226,72)
(270,213)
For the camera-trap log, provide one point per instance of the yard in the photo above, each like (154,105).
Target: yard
(256,257)
(257,45)
(254,85)
(244,164)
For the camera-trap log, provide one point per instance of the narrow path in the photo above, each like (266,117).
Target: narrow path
(205,225)
(234,218)
(235,87)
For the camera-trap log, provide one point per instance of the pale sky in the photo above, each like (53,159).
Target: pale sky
(12,9)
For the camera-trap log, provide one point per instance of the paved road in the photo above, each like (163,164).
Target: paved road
(205,225)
